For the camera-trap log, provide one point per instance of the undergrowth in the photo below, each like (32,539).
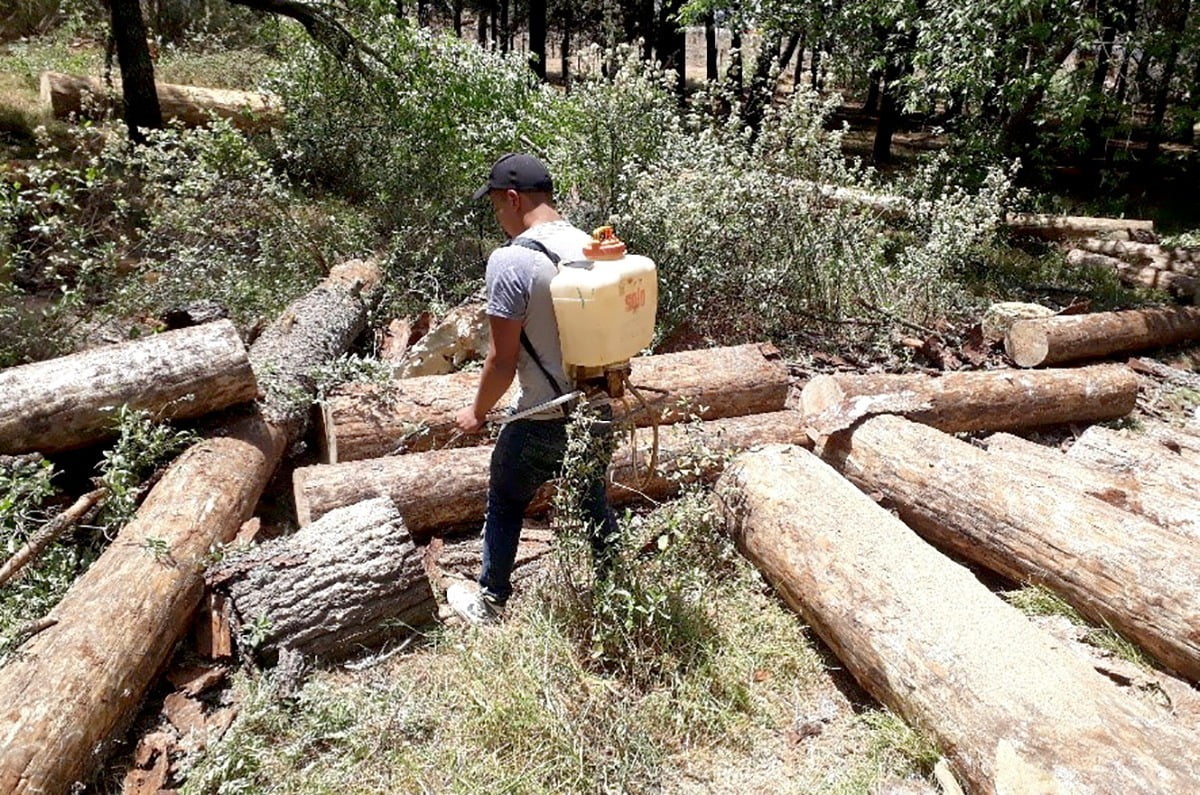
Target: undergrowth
(1036,600)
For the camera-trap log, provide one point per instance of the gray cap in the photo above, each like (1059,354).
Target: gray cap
(517,172)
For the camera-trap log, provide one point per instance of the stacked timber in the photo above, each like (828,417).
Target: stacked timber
(69,402)
(1113,567)
(1185,261)
(1180,285)
(1014,711)
(442,489)
(1062,227)
(74,95)
(974,401)
(1144,460)
(150,577)
(361,421)
(1069,338)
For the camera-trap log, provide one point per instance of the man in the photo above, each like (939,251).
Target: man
(524,343)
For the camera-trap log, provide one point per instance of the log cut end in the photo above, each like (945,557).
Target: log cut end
(1027,343)
(819,394)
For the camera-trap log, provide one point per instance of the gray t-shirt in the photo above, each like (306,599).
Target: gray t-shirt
(518,286)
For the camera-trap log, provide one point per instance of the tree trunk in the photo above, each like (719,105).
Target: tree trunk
(137,70)
(1070,338)
(711,73)
(1014,711)
(1111,566)
(1175,22)
(481,28)
(1061,227)
(1177,284)
(447,488)
(349,582)
(64,95)
(978,401)
(149,578)
(1180,260)
(1145,460)
(871,105)
(505,32)
(66,403)
(537,37)
(734,74)
(889,113)
(417,414)
(759,94)
(1166,506)
(565,55)
(457,15)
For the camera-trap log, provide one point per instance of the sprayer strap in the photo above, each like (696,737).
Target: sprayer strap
(525,242)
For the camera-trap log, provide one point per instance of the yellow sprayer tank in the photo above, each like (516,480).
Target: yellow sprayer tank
(605,306)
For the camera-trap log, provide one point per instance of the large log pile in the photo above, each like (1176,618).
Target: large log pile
(1114,567)
(1070,338)
(1181,285)
(361,421)
(150,577)
(1145,461)
(69,402)
(1014,712)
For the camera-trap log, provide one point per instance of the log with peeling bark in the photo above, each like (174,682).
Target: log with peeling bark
(447,488)
(1180,260)
(1179,439)
(461,336)
(194,106)
(1061,227)
(1134,275)
(1113,567)
(1166,506)
(347,583)
(149,579)
(1013,710)
(1070,338)
(984,400)
(1145,460)
(69,402)
(362,421)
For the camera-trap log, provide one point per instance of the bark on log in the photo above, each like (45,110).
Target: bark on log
(1150,276)
(361,421)
(1013,710)
(1180,260)
(1069,338)
(1061,227)
(993,400)
(1180,440)
(1167,507)
(66,403)
(150,579)
(350,581)
(448,559)
(446,488)
(1145,460)
(1113,567)
(247,111)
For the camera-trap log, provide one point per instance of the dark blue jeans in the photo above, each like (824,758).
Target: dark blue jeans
(527,454)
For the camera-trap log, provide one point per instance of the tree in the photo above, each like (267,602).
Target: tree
(138,93)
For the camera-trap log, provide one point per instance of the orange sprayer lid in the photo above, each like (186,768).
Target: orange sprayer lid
(604,245)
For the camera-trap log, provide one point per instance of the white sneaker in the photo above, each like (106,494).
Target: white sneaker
(473,605)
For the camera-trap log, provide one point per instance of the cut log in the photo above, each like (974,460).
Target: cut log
(1180,260)
(1145,460)
(1069,338)
(1113,567)
(999,317)
(362,421)
(460,337)
(447,488)
(1061,227)
(351,581)
(66,403)
(149,579)
(1167,507)
(461,557)
(1013,711)
(993,400)
(194,106)
(1150,276)
(1181,440)
(394,340)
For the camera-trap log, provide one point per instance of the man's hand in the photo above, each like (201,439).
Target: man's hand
(467,421)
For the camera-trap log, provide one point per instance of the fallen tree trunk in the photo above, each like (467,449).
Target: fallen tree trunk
(1069,338)
(1150,276)
(1014,712)
(149,578)
(461,558)
(66,94)
(348,582)
(1113,567)
(66,403)
(1180,440)
(446,488)
(975,401)
(1061,227)
(361,421)
(1180,260)
(1145,460)
(1167,507)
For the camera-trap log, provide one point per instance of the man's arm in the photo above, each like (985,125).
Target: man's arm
(498,371)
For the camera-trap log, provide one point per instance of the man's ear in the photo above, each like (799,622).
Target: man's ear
(513,198)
